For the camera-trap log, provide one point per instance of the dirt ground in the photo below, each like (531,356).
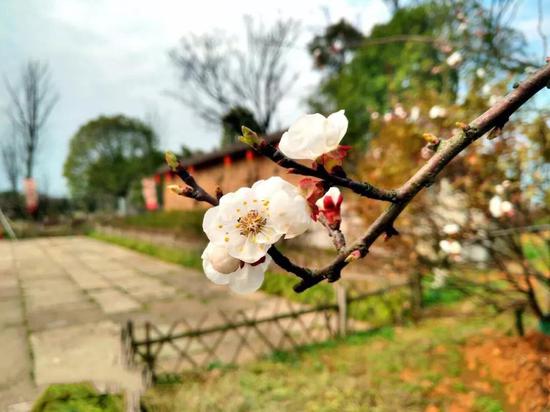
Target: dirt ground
(520,364)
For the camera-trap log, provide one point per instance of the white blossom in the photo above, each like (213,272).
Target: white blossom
(246,278)
(499,189)
(495,206)
(400,112)
(480,72)
(486,89)
(247,222)
(388,117)
(313,135)
(450,247)
(415,114)
(451,228)
(506,207)
(454,59)
(374,115)
(499,207)
(437,112)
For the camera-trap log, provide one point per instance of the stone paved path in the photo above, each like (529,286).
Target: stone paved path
(62,301)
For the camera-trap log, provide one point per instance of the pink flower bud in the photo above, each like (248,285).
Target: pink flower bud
(329,206)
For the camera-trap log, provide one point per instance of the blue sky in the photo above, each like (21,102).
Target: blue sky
(110,57)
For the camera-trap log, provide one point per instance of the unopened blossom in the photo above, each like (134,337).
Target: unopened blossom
(244,278)
(437,112)
(454,59)
(329,206)
(247,222)
(450,247)
(499,207)
(313,135)
(451,229)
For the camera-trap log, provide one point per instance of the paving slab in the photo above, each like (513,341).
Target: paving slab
(88,352)
(52,298)
(11,313)
(64,315)
(15,367)
(114,301)
(91,281)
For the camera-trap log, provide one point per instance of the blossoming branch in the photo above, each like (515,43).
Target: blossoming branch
(244,226)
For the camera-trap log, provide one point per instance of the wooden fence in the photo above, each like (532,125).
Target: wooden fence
(244,335)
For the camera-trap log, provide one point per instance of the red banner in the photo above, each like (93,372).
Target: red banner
(149,191)
(31,195)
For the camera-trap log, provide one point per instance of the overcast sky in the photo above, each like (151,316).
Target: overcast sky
(110,56)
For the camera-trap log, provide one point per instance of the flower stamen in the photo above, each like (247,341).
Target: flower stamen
(251,224)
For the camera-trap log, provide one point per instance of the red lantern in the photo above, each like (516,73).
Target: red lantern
(157,179)
(227,160)
(191,169)
(249,155)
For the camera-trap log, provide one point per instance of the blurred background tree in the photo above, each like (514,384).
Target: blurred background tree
(219,79)
(106,155)
(32,101)
(434,64)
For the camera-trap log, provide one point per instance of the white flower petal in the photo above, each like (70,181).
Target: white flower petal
(248,251)
(313,134)
(340,122)
(249,278)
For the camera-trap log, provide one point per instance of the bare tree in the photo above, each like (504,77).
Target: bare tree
(10,159)
(217,77)
(32,101)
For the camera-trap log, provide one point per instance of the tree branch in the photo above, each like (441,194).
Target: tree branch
(193,189)
(496,116)
(361,188)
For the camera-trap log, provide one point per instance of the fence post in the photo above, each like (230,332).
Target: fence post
(341,299)
(415,282)
(149,360)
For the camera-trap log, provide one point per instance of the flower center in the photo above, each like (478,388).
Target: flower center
(251,224)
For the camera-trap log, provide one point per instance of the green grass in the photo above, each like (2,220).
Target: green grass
(77,397)
(390,369)
(187,222)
